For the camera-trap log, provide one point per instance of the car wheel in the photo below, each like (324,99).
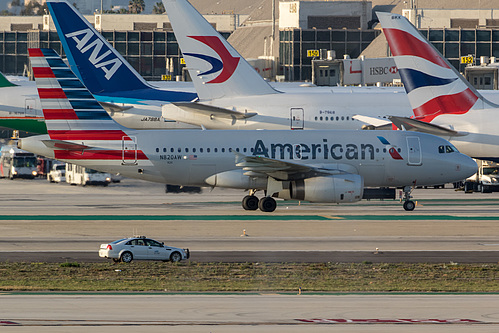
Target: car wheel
(126,257)
(175,257)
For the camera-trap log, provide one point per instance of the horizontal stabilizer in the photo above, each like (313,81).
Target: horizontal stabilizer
(409,124)
(60,144)
(214,111)
(110,107)
(374,121)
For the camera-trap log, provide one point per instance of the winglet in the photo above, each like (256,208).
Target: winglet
(4,82)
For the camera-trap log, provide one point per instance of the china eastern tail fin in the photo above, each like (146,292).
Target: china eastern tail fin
(98,65)
(216,69)
(434,87)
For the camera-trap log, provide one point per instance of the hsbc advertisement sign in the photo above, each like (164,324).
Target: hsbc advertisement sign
(369,71)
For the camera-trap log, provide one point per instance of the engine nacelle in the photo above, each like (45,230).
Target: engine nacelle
(236,179)
(337,188)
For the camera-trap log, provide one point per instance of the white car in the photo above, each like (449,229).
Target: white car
(57,174)
(141,248)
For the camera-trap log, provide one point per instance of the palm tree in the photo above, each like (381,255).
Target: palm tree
(136,6)
(158,8)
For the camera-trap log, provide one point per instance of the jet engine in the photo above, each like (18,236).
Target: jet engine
(337,188)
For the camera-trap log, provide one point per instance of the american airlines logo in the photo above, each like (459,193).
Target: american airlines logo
(83,44)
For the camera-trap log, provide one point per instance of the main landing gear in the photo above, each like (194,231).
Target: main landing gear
(266,204)
(409,205)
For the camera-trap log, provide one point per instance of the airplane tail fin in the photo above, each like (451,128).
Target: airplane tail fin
(78,126)
(4,82)
(216,68)
(434,87)
(97,64)
(71,112)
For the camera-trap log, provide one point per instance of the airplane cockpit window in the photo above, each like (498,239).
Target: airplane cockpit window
(450,149)
(441,149)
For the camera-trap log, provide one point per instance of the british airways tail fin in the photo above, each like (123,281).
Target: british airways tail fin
(433,85)
(216,68)
(98,65)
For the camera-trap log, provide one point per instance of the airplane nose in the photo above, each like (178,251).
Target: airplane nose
(467,166)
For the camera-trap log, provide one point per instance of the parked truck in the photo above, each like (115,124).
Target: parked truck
(79,175)
(486,180)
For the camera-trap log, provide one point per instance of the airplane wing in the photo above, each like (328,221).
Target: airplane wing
(214,111)
(410,124)
(280,170)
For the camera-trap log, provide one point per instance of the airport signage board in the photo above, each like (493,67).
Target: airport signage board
(369,71)
(467,60)
(313,53)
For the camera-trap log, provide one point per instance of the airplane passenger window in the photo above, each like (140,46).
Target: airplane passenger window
(193,150)
(164,150)
(200,150)
(157,150)
(237,149)
(216,150)
(326,118)
(186,150)
(207,150)
(179,150)
(245,149)
(223,150)
(172,150)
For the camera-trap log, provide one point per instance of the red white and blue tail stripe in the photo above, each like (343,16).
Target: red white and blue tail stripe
(73,116)
(433,85)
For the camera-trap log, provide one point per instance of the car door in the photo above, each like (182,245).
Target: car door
(156,250)
(139,248)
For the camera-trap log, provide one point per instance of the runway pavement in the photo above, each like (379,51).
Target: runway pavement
(41,221)
(248,313)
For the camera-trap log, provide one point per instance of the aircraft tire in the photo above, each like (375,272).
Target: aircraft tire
(267,204)
(409,205)
(250,202)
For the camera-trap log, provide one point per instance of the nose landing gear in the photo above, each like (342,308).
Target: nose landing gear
(409,205)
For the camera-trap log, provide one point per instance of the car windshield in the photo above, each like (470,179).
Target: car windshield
(91,171)
(119,240)
(60,167)
(22,161)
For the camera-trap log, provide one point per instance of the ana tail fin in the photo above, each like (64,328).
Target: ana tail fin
(98,65)
(216,68)
(433,85)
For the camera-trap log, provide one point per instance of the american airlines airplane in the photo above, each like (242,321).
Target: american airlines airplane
(443,101)
(318,166)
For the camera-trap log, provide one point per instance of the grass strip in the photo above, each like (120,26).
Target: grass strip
(249,277)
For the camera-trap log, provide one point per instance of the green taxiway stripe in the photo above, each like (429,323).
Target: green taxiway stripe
(269,217)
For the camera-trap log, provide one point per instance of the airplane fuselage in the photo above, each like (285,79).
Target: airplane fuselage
(382,158)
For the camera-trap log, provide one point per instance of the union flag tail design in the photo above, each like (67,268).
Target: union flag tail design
(74,117)
(434,87)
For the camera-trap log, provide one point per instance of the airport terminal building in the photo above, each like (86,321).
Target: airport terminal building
(296,33)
